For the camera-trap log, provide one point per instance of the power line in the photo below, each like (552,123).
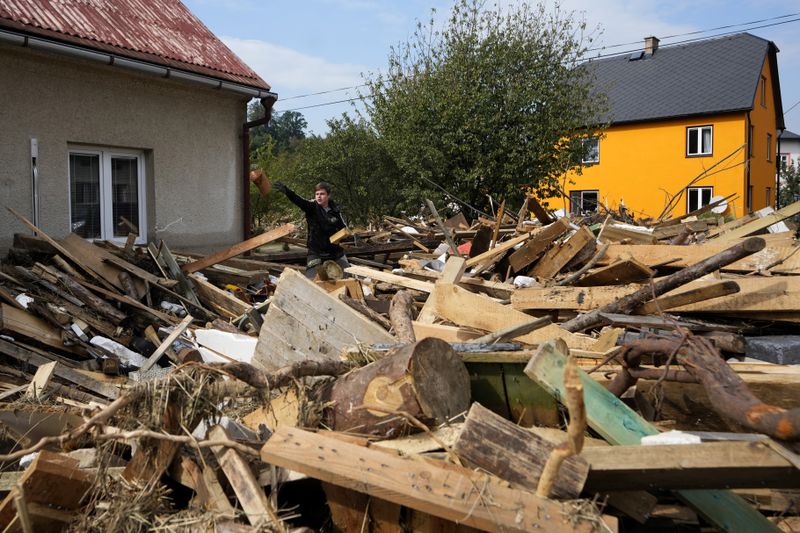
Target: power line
(696,32)
(324,104)
(792,107)
(323,92)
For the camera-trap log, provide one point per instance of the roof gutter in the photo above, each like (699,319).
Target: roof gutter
(49,45)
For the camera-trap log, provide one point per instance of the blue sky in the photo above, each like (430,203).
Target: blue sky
(309,46)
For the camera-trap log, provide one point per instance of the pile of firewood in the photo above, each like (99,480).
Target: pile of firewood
(517,373)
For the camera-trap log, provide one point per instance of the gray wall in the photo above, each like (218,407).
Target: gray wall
(190,136)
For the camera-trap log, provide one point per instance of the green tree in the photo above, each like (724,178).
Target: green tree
(790,185)
(494,102)
(285,129)
(351,157)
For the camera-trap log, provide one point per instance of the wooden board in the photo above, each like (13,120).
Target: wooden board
(388,277)
(476,311)
(557,257)
(711,465)
(309,323)
(532,249)
(453,270)
(760,223)
(106,264)
(683,256)
(452,493)
(21,322)
(620,425)
(614,233)
(490,254)
(619,273)
(213,296)
(500,447)
(240,248)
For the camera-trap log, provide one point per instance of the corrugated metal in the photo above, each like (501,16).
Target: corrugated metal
(158,31)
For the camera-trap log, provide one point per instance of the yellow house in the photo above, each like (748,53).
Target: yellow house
(688,123)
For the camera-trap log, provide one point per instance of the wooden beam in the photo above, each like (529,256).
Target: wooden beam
(760,223)
(217,298)
(250,494)
(240,248)
(620,425)
(29,357)
(161,350)
(22,322)
(557,257)
(614,233)
(476,311)
(490,254)
(531,250)
(40,380)
(712,465)
(618,273)
(442,228)
(102,261)
(449,492)
(453,270)
(388,277)
(699,294)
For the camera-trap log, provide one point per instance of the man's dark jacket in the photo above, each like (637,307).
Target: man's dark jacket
(322,225)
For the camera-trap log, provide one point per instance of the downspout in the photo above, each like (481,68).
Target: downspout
(267,104)
(778,173)
(748,197)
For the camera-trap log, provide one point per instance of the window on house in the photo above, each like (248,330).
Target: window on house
(697,197)
(591,151)
(769,147)
(769,196)
(699,140)
(784,160)
(583,202)
(106,189)
(763,91)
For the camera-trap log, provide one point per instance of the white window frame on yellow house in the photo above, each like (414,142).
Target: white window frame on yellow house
(702,149)
(591,155)
(698,192)
(577,207)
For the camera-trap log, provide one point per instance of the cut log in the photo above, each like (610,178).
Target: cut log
(492,443)
(240,248)
(400,315)
(426,380)
(452,493)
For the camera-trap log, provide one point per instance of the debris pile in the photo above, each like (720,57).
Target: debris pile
(518,373)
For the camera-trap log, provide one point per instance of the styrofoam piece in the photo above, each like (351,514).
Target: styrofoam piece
(23,299)
(128,357)
(671,437)
(234,345)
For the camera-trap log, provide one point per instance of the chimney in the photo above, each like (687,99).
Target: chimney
(650,45)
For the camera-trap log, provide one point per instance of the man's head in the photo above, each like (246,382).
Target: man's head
(322,193)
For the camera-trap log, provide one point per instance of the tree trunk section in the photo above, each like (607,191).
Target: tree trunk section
(426,380)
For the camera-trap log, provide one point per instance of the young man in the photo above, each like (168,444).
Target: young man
(323,218)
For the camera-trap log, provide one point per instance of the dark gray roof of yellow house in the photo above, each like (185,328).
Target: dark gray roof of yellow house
(706,77)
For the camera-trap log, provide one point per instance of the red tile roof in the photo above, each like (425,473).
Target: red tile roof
(163,32)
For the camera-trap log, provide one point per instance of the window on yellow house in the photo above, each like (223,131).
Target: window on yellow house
(591,151)
(763,91)
(697,197)
(769,147)
(583,202)
(699,140)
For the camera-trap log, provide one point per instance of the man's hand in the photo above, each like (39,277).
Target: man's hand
(279,186)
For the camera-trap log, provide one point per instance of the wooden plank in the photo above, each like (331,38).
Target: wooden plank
(490,254)
(476,311)
(614,233)
(40,380)
(760,223)
(711,465)
(213,296)
(620,425)
(619,273)
(177,331)
(500,447)
(447,236)
(778,259)
(557,257)
(455,494)
(528,403)
(453,270)
(388,277)
(339,235)
(100,261)
(240,248)
(495,289)
(700,294)
(73,376)
(531,250)
(302,311)
(164,258)
(21,322)
(250,494)
(446,333)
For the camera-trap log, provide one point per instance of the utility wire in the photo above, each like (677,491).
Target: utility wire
(792,107)
(323,92)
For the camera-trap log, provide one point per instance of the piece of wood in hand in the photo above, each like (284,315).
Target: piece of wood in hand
(339,235)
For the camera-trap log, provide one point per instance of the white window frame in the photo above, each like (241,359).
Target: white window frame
(105,155)
(587,141)
(699,130)
(581,210)
(783,160)
(698,191)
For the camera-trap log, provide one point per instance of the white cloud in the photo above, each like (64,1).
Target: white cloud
(290,71)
